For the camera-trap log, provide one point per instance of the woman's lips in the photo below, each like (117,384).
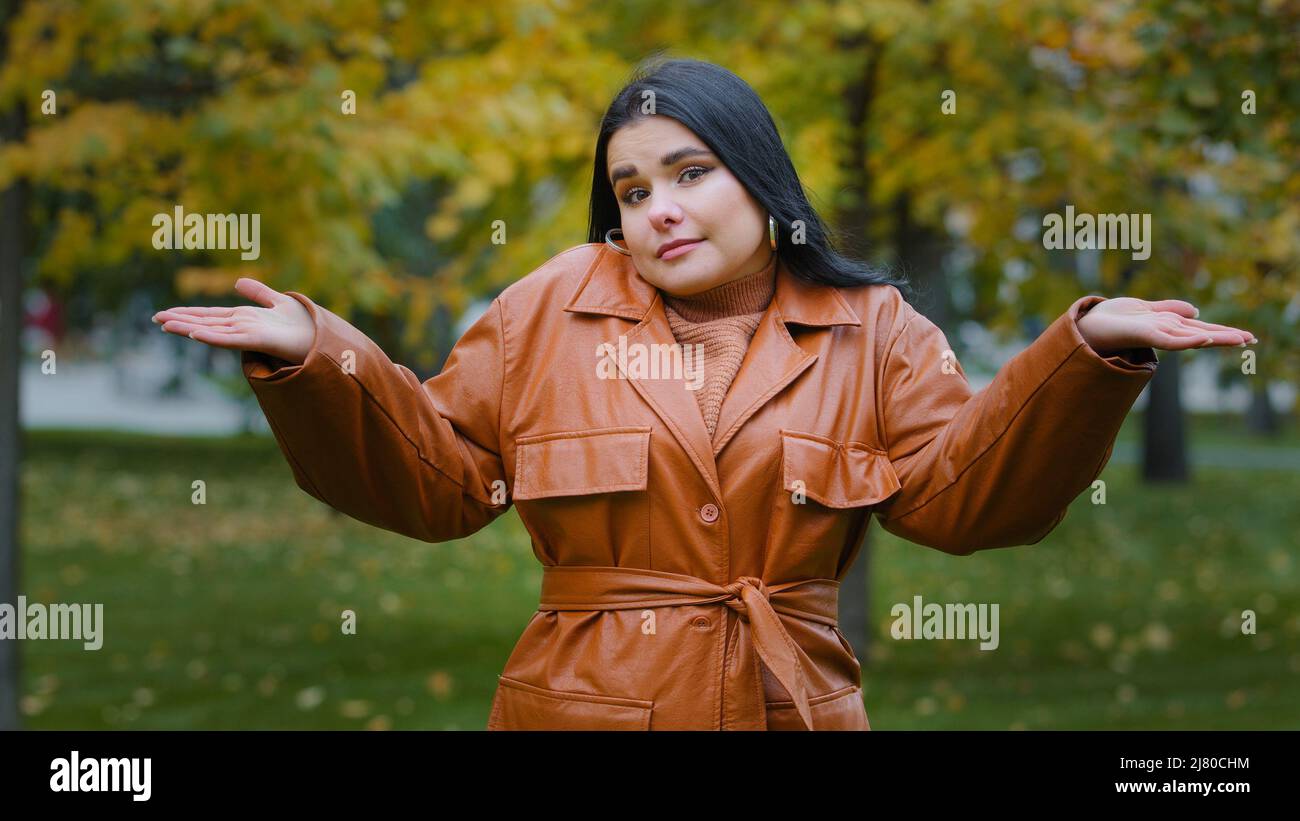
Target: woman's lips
(673,253)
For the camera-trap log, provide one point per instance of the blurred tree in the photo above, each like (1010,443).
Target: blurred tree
(241,108)
(13,211)
(467,160)
(1112,107)
(462,136)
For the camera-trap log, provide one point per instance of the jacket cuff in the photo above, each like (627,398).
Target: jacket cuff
(1133,360)
(259,367)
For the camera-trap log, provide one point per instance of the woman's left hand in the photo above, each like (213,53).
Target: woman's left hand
(1167,324)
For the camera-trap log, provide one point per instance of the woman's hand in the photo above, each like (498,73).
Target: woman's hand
(1168,324)
(282,329)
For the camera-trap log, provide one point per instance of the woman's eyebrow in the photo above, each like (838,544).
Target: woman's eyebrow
(670,158)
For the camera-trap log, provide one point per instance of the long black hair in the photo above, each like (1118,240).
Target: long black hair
(728,115)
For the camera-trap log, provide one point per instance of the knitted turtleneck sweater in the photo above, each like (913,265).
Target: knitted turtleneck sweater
(723,320)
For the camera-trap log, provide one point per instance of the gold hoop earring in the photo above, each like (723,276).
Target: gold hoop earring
(771,230)
(610,241)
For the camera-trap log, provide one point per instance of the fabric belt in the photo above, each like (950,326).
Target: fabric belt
(622,588)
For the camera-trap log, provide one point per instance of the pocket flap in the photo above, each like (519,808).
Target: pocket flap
(840,710)
(522,706)
(578,462)
(836,474)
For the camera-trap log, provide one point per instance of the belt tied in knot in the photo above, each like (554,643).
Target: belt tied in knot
(756,603)
(740,589)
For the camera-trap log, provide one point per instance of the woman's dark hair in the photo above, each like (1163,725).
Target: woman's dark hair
(729,116)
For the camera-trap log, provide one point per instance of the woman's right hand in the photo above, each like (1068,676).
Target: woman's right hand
(282,328)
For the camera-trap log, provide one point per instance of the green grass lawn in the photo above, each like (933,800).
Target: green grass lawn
(227,615)
(1220,430)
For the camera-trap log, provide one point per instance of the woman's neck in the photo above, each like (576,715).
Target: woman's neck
(746,295)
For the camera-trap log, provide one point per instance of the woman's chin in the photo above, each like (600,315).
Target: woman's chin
(682,282)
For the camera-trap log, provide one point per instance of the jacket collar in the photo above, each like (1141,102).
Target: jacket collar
(612,286)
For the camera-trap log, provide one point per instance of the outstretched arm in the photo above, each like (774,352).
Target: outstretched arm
(1000,467)
(361,433)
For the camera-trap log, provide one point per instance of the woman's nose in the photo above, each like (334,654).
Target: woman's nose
(664,214)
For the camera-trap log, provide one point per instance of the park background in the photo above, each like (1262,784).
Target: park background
(226,615)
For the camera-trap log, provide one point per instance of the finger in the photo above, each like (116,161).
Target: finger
(221,339)
(166,317)
(1173,326)
(1176,306)
(171,313)
(1175,330)
(1222,333)
(1223,338)
(175,326)
(1200,339)
(1210,326)
(262,294)
(1170,342)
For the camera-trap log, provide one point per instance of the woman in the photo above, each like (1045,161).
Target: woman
(695,513)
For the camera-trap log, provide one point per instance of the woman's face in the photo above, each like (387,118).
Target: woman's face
(669,187)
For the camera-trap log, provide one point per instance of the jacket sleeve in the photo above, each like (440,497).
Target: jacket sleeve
(999,467)
(363,435)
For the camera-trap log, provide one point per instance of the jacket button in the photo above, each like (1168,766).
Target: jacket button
(701,623)
(709,513)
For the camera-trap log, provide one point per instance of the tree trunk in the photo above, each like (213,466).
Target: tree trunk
(920,251)
(852,230)
(852,225)
(1261,417)
(12,213)
(1164,457)
(855,595)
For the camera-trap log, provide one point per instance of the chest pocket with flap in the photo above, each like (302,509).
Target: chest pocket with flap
(579,462)
(835,474)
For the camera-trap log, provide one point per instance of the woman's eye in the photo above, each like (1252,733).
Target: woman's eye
(699,168)
(627,195)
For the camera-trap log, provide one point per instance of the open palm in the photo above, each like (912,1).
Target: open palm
(1168,324)
(282,328)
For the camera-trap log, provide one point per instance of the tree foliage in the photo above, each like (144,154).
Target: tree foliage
(473,119)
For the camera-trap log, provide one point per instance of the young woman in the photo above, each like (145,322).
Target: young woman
(695,414)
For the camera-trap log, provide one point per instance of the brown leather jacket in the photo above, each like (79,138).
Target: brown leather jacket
(691,583)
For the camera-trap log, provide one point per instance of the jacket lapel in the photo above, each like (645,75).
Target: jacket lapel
(672,400)
(612,287)
(773,359)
